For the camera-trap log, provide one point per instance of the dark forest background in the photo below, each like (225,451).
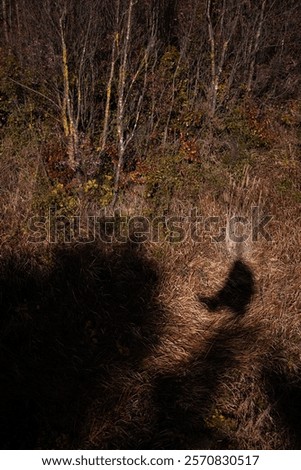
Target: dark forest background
(116,93)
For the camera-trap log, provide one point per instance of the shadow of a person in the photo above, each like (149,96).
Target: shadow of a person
(236,293)
(67,331)
(184,399)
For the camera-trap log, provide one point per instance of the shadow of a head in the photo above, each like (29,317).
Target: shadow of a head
(69,326)
(236,293)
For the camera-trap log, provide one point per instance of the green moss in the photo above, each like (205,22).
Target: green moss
(287,188)
(169,60)
(163,181)
(239,127)
(219,421)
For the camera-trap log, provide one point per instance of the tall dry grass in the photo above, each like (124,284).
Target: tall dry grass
(145,346)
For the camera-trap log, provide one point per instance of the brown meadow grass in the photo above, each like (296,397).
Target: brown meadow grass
(155,345)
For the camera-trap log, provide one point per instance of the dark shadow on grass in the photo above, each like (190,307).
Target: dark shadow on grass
(285,399)
(67,321)
(185,400)
(75,328)
(236,293)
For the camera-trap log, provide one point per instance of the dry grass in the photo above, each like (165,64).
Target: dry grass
(18,178)
(110,347)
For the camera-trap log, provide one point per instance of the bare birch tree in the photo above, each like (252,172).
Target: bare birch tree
(254,45)
(5,21)
(128,114)
(220,35)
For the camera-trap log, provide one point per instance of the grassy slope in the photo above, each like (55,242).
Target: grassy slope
(110,347)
